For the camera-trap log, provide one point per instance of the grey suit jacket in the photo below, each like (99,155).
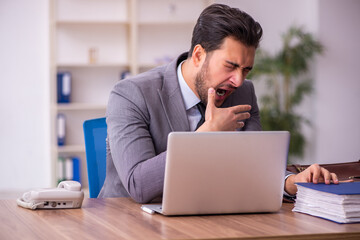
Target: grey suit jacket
(141,112)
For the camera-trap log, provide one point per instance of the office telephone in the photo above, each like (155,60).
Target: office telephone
(68,194)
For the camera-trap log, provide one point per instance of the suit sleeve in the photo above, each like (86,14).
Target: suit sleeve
(140,169)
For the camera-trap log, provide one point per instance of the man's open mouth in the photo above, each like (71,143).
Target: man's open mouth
(221,92)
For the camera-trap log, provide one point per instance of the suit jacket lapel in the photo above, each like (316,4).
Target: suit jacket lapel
(171,98)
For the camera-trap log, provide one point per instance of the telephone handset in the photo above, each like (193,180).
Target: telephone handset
(68,194)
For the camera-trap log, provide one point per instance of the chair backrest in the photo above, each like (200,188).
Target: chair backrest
(95,132)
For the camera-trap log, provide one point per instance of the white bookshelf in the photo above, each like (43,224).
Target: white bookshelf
(128,35)
(80,106)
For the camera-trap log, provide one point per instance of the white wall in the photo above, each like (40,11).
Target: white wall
(338,82)
(24,101)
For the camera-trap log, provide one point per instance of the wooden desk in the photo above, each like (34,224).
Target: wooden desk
(121,218)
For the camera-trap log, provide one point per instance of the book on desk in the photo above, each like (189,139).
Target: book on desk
(336,202)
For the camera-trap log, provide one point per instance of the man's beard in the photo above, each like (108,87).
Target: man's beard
(200,85)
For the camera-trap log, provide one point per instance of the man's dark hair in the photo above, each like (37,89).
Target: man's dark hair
(219,21)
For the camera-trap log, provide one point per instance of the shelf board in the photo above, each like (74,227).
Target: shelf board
(91,22)
(92,65)
(149,65)
(79,106)
(71,149)
(165,22)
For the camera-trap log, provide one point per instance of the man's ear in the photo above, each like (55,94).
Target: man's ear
(198,55)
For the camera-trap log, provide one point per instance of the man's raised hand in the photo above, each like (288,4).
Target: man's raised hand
(223,119)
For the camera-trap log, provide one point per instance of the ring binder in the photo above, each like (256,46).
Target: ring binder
(61,122)
(63,87)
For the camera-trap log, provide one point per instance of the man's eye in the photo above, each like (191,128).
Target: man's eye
(246,70)
(231,67)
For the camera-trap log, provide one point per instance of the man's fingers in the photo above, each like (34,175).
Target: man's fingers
(242,116)
(241,124)
(326,175)
(334,178)
(320,174)
(211,98)
(240,108)
(316,174)
(315,170)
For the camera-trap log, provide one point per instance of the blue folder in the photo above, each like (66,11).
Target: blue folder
(63,87)
(76,169)
(347,188)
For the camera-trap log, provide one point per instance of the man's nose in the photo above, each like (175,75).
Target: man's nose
(237,79)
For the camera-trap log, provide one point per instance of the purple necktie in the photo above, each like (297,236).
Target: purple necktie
(201,108)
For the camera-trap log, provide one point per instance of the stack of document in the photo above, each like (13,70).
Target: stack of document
(336,202)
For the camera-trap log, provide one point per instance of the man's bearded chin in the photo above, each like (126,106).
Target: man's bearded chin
(200,86)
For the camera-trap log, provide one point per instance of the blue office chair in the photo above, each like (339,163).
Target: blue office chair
(95,131)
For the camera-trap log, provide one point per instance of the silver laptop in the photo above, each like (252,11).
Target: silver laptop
(223,172)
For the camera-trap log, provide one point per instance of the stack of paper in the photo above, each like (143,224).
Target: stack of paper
(336,202)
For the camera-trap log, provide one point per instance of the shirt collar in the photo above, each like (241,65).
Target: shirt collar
(190,99)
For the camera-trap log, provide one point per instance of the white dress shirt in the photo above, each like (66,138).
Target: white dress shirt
(190,100)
